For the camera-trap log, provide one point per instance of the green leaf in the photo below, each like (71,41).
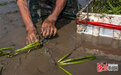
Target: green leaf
(67,55)
(79,59)
(6,48)
(26,48)
(77,62)
(64,70)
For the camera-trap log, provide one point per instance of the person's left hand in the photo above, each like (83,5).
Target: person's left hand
(48,28)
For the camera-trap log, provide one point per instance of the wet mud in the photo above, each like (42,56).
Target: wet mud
(39,62)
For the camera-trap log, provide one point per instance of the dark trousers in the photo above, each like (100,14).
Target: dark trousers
(43,8)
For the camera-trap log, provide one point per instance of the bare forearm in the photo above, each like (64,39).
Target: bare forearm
(22,4)
(60,4)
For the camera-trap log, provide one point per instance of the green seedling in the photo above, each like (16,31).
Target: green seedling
(15,52)
(26,48)
(64,61)
(77,60)
(65,70)
(1,49)
(107,6)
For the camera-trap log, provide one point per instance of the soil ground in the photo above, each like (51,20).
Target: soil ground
(37,62)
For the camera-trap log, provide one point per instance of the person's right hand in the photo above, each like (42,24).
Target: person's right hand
(32,36)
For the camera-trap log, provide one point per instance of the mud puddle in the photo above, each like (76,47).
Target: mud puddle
(13,33)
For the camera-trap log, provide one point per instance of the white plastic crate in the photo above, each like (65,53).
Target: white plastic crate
(99,30)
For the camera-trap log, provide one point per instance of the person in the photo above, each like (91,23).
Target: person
(29,12)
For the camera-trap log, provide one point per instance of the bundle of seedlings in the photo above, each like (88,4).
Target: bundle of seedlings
(11,53)
(106,6)
(64,61)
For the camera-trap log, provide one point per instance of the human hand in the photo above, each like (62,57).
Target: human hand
(48,28)
(32,36)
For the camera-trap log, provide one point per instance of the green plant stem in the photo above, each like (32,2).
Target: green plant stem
(1,49)
(107,6)
(26,48)
(108,1)
(64,70)
(77,62)
(79,59)
(15,52)
(2,53)
(64,57)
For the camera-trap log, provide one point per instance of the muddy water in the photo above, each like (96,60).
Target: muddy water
(10,23)
(104,44)
(12,33)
